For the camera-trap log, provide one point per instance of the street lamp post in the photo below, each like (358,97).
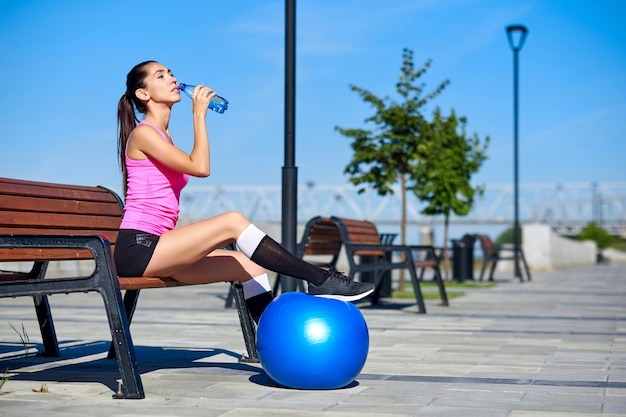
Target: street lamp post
(516,35)
(290,171)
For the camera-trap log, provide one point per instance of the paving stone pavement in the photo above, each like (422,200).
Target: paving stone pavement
(553,347)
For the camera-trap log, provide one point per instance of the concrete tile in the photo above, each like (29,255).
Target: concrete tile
(553,347)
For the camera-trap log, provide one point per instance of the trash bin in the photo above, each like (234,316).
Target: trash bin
(385,289)
(463,258)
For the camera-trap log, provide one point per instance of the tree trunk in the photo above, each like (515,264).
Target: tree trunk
(401,285)
(446,257)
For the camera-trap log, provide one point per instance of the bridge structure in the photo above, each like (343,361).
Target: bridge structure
(566,207)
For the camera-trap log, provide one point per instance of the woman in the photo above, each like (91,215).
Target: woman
(155,171)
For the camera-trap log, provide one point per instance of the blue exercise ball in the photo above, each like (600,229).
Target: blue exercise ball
(308,342)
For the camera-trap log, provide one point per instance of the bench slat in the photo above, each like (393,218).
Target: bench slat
(322,248)
(139,283)
(5,180)
(42,255)
(323,239)
(53,205)
(363,233)
(126,283)
(110,234)
(58,221)
(25,188)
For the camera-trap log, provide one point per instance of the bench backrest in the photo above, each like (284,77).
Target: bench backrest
(29,207)
(359,232)
(489,248)
(320,237)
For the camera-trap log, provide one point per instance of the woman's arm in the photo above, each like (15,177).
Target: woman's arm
(145,141)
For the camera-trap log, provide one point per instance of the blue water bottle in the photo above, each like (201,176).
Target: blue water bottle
(217,103)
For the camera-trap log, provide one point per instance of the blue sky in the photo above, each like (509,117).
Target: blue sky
(63,64)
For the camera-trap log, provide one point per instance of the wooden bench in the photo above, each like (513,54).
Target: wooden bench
(320,244)
(43,222)
(323,238)
(493,254)
(361,239)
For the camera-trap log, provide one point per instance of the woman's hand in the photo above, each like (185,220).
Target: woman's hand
(202,95)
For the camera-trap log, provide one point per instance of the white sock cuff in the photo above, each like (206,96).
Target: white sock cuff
(249,240)
(255,286)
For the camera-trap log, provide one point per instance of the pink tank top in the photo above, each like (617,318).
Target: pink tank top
(152,195)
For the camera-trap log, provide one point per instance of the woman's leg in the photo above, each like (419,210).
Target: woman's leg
(268,253)
(226,265)
(184,246)
(181,248)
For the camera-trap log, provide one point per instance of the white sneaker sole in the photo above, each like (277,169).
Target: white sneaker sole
(346,298)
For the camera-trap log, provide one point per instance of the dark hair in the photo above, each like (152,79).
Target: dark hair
(126,115)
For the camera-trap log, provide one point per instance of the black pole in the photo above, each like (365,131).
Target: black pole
(516,231)
(290,171)
(513,31)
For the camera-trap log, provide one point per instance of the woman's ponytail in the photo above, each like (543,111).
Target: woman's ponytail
(126,115)
(126,122)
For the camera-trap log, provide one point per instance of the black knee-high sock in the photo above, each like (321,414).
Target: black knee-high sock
(257,304)
(271,255)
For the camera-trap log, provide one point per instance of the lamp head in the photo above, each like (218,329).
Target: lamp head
(516,35)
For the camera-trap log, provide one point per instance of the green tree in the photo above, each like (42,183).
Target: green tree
(447,160)
(592,231)
(387,154)
(506,237)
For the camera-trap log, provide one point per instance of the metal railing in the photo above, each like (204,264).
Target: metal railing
(567,207)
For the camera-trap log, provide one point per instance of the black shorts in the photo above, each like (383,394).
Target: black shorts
(133,251)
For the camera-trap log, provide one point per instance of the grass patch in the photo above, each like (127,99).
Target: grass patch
(4,378)
(430,291)
(461,285)
(426,294)
(23,337)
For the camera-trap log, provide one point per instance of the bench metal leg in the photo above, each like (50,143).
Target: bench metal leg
(46,326)
(493,269)
(130,303)
(378,285)
(132,387)
(525,266)
(230,298)
(482,269)
(236,293)
(44,315)
(422,271)
(442,287)
(108,287)
(247,325)
(419,298)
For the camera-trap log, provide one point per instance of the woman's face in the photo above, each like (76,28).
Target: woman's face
(161,85)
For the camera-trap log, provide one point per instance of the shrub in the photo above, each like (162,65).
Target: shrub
(593,232)
(507,237)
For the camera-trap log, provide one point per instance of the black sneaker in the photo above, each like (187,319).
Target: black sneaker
(340,287)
